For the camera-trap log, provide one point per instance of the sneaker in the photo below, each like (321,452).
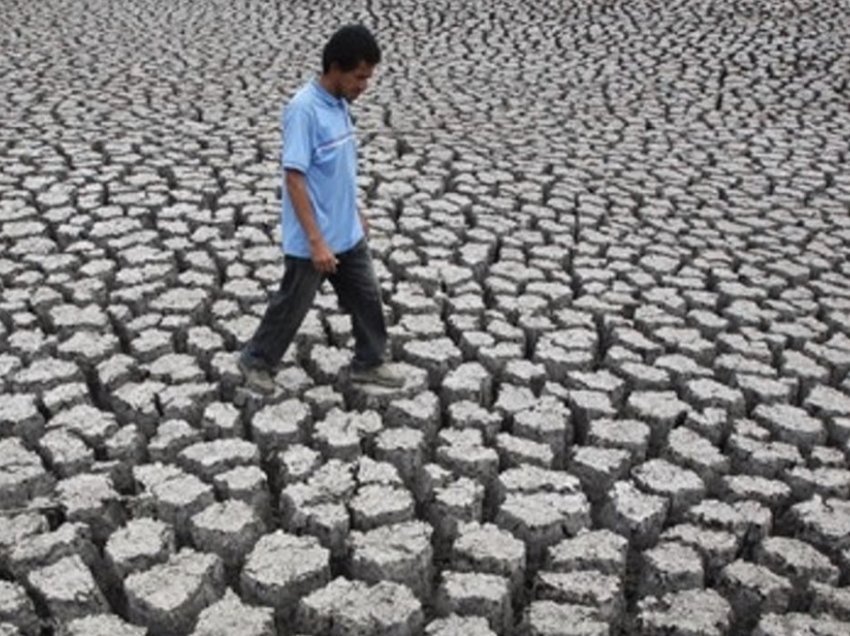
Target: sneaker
(380,375)
(257,378)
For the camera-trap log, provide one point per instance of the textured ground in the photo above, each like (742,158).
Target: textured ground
(613,241)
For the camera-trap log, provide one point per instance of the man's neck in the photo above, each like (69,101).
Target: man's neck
(326,82)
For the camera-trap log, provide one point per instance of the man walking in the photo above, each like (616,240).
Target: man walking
(323,231)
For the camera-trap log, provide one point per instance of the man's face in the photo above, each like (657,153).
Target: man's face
(352,83)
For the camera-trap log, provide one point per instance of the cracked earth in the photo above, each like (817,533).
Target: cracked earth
(612,239)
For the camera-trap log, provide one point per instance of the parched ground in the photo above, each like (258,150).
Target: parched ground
(613,241)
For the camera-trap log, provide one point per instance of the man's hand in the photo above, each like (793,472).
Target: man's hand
(322,257)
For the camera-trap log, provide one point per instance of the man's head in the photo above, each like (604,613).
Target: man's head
(349,59)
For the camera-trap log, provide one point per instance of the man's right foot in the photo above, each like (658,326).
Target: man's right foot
(380,375)
(257,378)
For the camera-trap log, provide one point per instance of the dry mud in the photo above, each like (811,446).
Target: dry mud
(613,242)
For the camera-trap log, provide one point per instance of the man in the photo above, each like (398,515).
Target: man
(323,230)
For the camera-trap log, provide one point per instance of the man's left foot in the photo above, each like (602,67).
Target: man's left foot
(381,375)
(255,377)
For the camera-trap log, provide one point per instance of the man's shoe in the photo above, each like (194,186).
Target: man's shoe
(257,378)
(381,375)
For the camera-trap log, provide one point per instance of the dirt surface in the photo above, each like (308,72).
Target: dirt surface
(612,239)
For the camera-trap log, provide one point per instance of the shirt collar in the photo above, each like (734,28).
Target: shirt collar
(325,95)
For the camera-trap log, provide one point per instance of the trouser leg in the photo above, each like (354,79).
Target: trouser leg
(357,288)
(284,314)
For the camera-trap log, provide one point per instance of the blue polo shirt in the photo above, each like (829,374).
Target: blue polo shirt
(319,141)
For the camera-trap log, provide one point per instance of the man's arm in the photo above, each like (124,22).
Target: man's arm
(321,255)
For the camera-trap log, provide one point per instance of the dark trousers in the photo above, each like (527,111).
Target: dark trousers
(356,287)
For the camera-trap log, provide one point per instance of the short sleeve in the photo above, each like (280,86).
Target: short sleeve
(297,137)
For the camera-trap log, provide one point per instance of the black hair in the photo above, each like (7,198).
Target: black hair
(349,46)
